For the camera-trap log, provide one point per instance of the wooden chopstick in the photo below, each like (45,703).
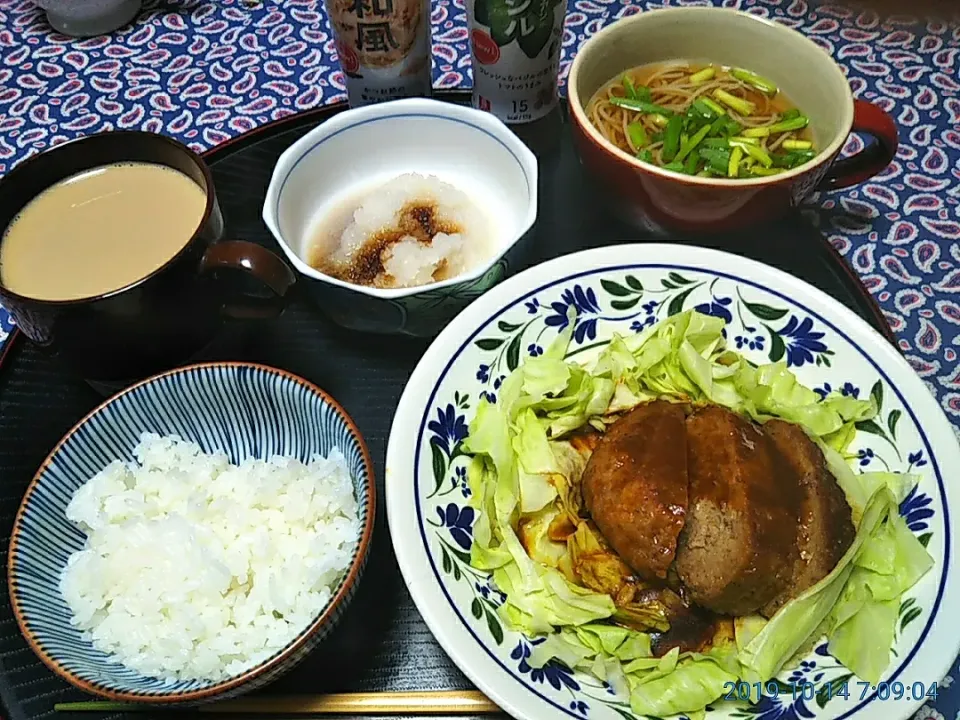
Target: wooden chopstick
(443,702)
(414,702)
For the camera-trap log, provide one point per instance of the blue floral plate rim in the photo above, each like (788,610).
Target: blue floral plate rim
(427,587)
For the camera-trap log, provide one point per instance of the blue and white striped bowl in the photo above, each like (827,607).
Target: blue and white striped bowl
(243,409)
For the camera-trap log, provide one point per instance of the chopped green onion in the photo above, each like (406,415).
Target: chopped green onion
(733,167)
(674,166)
(671,139)
(694,121)
(797,123)
(799,157)
(645,155)
(797,145)
(643,93)
(660,120)
(744,140)
(754,151)
(790,114)
(716,143)
(721,124)
(690,166)
(707,152)
(639,106)
(704,75)
(638,135)
(717,160)
(744,107)
(629,88)
(726,126)
(688,145)
(761,171)
(702,109)
(732,128)
(759,154)
(768,87)
(717,109)
(793,159)
(718,165)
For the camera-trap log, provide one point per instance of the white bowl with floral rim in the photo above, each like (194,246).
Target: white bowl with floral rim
(770,316)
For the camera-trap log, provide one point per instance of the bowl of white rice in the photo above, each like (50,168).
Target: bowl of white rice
(194,536)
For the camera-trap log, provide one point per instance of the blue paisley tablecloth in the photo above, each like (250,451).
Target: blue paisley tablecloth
(205,71)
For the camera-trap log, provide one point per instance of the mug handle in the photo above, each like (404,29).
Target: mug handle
(870,120)
(258,262)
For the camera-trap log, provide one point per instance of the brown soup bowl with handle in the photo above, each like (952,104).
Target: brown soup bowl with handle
(662,200)
(169,313)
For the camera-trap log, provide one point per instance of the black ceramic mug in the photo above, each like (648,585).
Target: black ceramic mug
(160,320)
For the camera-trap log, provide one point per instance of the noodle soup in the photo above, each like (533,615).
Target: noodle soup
(703,119)
(667,195)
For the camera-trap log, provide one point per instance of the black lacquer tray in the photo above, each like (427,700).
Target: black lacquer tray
(382,642)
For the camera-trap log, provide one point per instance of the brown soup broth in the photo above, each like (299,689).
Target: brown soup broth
(779,104)
(655,75)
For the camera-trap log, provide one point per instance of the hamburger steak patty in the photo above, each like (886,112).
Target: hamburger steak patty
(826,525)
(635,486)
(737,550)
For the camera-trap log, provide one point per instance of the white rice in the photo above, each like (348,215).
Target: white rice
(195,568)
(408,262)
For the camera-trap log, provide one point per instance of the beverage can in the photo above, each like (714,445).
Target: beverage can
(384,48)
(515,47)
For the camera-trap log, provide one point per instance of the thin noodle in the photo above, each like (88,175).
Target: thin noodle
(779,141)
(671,89)
(626,121)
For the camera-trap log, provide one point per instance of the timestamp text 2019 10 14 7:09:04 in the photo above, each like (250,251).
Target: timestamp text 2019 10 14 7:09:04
(858,690)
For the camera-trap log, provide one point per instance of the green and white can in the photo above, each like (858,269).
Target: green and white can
(515,48)
(383,47)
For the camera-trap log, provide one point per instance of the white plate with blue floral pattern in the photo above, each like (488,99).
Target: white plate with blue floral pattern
(770,316)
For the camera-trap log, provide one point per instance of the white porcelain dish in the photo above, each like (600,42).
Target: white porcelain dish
(359,149)
(770,316)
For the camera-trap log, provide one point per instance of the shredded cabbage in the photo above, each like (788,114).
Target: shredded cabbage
(523,467)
